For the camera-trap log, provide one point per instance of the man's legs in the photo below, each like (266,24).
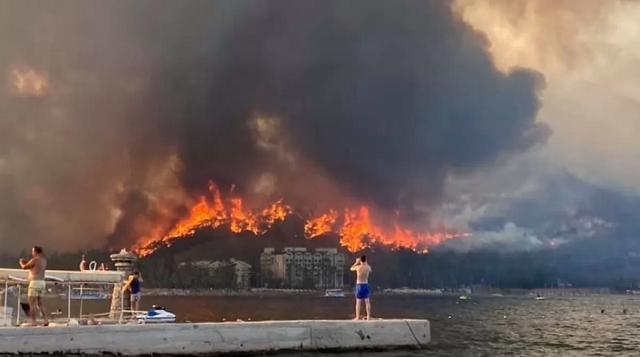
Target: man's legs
(135,304)
(368,307)
(43,312)
(357,309)
(32,308)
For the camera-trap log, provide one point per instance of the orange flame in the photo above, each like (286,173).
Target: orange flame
(213,213)
(356,228)
(358,232)
(315,227)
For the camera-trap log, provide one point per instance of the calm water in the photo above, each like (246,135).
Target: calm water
(478,327)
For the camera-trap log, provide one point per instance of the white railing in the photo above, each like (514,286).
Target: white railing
(125,315)
(20,282)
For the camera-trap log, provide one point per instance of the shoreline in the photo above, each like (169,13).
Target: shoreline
(228,292)
(494,293)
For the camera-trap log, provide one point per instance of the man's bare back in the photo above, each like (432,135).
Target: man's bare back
(362,273)
(362,269)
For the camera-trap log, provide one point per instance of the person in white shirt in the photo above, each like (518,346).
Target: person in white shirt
(362,269)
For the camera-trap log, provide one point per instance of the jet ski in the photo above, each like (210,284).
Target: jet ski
(157,314)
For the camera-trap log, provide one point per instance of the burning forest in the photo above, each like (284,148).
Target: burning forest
(350,115)
(355,227)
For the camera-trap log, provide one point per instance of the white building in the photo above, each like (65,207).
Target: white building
(298,267)
(242,270)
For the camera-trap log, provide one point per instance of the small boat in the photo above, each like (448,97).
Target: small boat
(464,297)
(89,294)
(497,295)
(156,315)
(334,293)
(540,298)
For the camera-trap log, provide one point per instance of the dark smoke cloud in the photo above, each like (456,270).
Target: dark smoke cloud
(384,100)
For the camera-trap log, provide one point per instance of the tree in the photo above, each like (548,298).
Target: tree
(307,278)
(228,275)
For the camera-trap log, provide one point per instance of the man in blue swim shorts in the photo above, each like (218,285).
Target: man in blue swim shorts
(362,269)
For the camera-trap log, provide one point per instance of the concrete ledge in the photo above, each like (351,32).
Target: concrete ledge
(216,338)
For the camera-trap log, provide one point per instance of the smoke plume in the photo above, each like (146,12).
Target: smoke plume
(589,52)
(115,114)
(552,36)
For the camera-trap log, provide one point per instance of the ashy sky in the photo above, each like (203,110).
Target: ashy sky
(116,114)
(589,52)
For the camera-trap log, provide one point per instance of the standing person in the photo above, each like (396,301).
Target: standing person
(362,269)
(37,286)
(134,285)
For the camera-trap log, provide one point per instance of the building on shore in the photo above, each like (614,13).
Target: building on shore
(297,267)
(230,273)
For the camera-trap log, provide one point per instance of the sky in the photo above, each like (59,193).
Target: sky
(588,52)
(117,115)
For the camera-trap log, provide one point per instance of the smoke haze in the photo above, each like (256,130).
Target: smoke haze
(115,115)
(589,53)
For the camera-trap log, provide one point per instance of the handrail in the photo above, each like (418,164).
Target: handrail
(97,276)
(11,281)
(20,281)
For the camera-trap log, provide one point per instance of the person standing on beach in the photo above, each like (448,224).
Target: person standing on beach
(134,285)
(362,269)
(37,286)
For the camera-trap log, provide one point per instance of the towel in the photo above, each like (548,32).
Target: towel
(127,285)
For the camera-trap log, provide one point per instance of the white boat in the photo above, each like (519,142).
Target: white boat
(156,315)
(334,293)
(464,297)
(88,294)
(540,298)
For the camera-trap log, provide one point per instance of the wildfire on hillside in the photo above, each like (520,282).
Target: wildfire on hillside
(354,226)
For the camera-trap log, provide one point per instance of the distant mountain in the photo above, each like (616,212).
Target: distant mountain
(531,207)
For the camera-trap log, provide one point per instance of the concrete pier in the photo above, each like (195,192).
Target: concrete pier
(217,338)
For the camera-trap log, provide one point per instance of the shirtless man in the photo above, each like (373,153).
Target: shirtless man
(362,270)
(37,286)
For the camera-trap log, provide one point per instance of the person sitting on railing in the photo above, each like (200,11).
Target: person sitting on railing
(83,264)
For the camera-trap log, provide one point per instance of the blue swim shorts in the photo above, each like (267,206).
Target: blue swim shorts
(362,291)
